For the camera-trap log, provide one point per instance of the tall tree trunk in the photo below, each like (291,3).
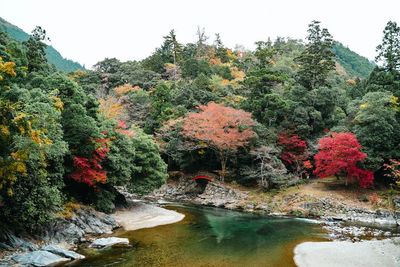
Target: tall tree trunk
(223,158)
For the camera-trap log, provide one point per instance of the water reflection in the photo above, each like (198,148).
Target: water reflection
(210,237)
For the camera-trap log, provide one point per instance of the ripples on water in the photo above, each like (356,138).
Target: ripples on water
(210,237)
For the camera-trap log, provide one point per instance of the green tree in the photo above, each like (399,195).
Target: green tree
(317,60)
(172,44)
(374,122)
(150,170)
(265,52)
(389,49)
(31,157)
(220,50)
(35,50)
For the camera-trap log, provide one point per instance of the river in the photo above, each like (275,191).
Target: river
(209,237)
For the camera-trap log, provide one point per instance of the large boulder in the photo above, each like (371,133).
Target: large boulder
(218,195)
(63,252)
(84,221)
(39,258)
(108,242)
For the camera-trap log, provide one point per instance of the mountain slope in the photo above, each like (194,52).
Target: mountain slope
(353,63)
(53,56)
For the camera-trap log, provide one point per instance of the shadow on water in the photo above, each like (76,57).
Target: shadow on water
(209,237)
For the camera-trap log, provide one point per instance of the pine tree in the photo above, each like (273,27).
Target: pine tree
(317,60)
(35,49)
(389,49)
(172,43)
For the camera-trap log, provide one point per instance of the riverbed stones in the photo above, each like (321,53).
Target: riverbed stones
(219,196)
(63,252)
(39,258)
(10,241)
(396,202)
(108,242)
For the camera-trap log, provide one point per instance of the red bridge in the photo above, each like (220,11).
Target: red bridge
(199,178)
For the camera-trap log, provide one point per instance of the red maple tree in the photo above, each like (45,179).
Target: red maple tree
(223,129)
(89,170)
(339,155)
(294,152)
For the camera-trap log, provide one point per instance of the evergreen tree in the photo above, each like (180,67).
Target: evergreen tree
(389,49)
(317,60)
(35,49)
(174,47)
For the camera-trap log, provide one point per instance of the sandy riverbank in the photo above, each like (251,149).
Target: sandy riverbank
(347,254)
(141,215)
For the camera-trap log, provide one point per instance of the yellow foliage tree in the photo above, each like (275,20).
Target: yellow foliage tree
(124,89)
(7,69)
(111,108)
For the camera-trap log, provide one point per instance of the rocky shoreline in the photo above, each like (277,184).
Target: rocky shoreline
(341,222)
(221,195)
(55,242)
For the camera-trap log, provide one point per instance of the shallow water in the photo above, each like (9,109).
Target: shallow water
(209,237)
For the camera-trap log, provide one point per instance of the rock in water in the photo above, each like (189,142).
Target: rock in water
(39,258)
(347,254)
(109,241)
(63,252)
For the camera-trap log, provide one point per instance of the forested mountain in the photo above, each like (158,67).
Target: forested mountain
(268,118)
(354,64)
(53,56)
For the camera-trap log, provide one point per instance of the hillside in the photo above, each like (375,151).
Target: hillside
(353,63)
(53,56)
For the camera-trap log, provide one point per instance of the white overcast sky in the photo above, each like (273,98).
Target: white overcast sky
(87,31)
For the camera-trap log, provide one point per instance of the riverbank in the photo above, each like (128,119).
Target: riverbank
(347,216)
(83,225)
(321,199)
(342,213)
(76,225)
(347,254)
(141,215)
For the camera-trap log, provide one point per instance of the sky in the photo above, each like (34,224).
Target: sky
(88,31)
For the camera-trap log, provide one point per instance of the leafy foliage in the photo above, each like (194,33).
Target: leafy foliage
(222,128)
(389,49)
(393,171)
(354,64)
(339,155)
(376,126)
(271,172)
(56,144)
(259,112)
(294,152)
(151,171)
(316,61)
(89,170)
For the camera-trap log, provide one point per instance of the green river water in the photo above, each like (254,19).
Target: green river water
(209,237)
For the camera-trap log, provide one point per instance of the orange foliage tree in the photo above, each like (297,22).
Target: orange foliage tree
(124,89)
(223,129)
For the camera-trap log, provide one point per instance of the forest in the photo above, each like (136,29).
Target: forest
(273,117)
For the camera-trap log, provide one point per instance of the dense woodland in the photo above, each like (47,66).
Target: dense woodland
(284,113)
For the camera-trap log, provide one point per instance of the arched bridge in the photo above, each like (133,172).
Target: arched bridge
(202,178)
